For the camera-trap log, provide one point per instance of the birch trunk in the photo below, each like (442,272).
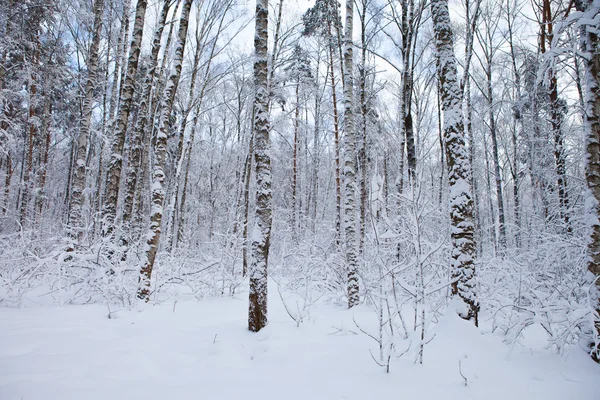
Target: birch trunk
(349,163)
(336,132)
(459,168)
(257,309)
(591,46)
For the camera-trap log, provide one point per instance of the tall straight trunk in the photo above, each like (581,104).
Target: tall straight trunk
(556,116)
(349,163)
(247,177)
(407,25)
(489,190)
(441,141)
(7,179)
(518,117)
(402,148)
(47,117)
(67,200)
(315,161)
(141,128)
(160,153)
(113,178)
(76,223)
(591,46)
(257,308)
(295,163)
(336,133)
(364,110)
(31,141)
(497,173)
(459,168)
(471,136)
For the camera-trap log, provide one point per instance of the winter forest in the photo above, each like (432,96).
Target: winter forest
(369,198)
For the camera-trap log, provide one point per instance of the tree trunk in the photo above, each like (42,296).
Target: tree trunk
(257,309)
(591,45)
(349,163)
(7,179)
(364,110)
(47,117)
(556,116)
(336,133)
(497,173)
(295,163)
(31,141)
(247,177)
(459,168)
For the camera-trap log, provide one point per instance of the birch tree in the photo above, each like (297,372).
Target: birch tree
(590,41)
(349,162)
(257,309)
(459,169)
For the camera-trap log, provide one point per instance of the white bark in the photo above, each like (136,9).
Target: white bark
(349,163)
(257,310)
(459,168)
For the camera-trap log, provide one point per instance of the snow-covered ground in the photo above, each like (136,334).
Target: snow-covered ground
(202,350)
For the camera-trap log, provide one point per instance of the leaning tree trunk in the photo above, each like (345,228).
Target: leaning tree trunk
(257,309)
(459,168)
(349,163)
(160,155)
(113,178)
(78,185)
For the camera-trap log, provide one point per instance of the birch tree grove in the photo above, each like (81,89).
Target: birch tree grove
(459,169)
(261,235)
(160,150)
(156,151)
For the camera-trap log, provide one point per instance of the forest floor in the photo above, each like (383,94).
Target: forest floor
(202,350)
